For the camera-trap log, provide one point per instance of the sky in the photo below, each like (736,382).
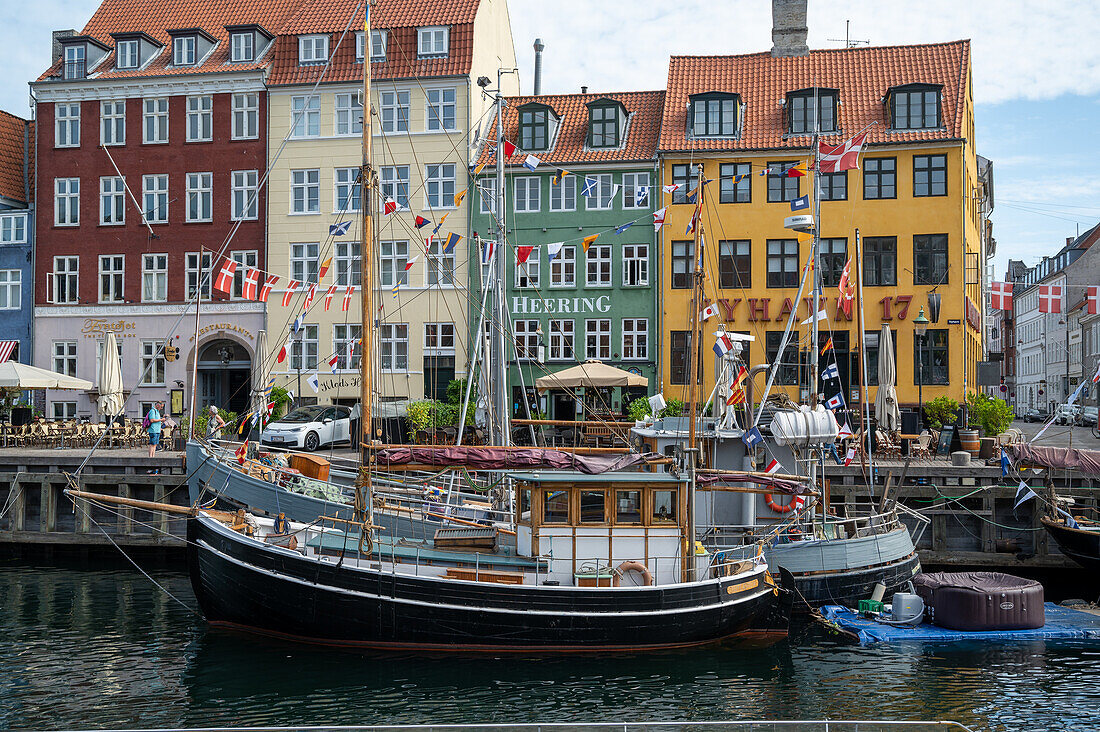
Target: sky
(1036,77)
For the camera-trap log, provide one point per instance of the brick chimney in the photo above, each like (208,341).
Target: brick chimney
(789,28)
(57,36)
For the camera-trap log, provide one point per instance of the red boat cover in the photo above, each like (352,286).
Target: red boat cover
(1087,461)
(492,458)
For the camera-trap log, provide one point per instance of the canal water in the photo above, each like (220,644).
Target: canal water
(107,649)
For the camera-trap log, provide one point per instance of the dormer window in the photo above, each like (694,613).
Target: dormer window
(243,47)
(432,41)
(378,39)
(534,127)
(604,124)
(312,50)
(915,107)
(75,67)
(127,54)
(714,114)
(183,51)
(801,118)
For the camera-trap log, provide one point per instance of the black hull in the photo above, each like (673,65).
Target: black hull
(1082,547)
(240,583)
(848,587)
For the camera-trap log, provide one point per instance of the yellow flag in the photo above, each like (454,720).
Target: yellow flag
(588,241)
(803,236)
(480,167)
(459,196)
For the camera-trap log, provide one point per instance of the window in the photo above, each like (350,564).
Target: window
(680,359)
(11,289)
(395,183)
(346,337)
(800,111)
(127,55)
(64,357)
(312,50)
(246,116)
(440,185)
(915,107)
(597,338)
(735,182)
(154,277)
(112,123)
(527,339)
(603,125)
(64,410)
(562,340)
(66,202)
(65,280)
(244,195)
(880,257)
(871,343)
(305,191)
(635,339)
(112,201)
(245,260)
(394,256)
(834,186)
(347,190)
(685,182)
(395,111)
(555,507)
(714,115)
(527,190)
(929,175)
(787,365)
(534,129)
(198,272)
(636,190)
(347,263)
(563,194)
(635,265)
(200,119)
(598,265)
(603,192)
(432,41)
(152,363)
(439,339)
(154,192)
(378,40)
(440,114)
(349,114)
(487,191)
(683,264)
(563,268)
(832,255)
(66,125)
(929,259)
(303,261)
(782,263)
(305,116)
(183,51)
(934,352)
(879,178)
(528,273)
(441,265)
(735,264)
(781,187)
(200,196)
(628,507)
(13,229)
(155,120)
(74,62)
(304,347)
(111,268)
(593,505)
(242,47)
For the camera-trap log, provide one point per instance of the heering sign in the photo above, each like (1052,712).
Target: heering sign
(560,305)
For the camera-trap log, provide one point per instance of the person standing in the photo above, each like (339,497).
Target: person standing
(214,424)
(154,422)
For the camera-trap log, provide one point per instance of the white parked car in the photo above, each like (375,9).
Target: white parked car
(1068,414)
(308,428)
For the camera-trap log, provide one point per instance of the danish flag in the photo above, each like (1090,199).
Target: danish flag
(850,456)
(328,296)
(1050,298)
(773,466)
(269,282)
(347,298)
(310,295)
(844,156)
(290,288)
(224,281)
(847,291)
(1000,297)
(251,284)
(1093,296)
(659,219)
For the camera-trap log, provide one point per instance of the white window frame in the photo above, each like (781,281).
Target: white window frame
(305,192)
(631,182)
(112,201)
(308,340)
(128,51)
(379,40)
(487,192)
(640,335)
(602,351)
(13,228)
(154,198)
(305,117)
(200,198)
(200,118)
(441,109)
(563,197)
(393,256)
(243,47)
(198,267)
(244,201)
(112,278)
(63,410)
(66,270)
(526,339)
(604,186)
(436,195)
(154,277)
(392,339)
(312,49)
(66,202)
(65,357)
(185,50)
(11,289)
(441,266)
(346,188)
(562,332)
(346,262)
(433,40)
(439,339)
(66,124)
(303,261)
(636,257)
(567,255)
(153,363)
(393,185)
(531,270)
(601,259)
(246,116)
(393,110)
(112,122)
(360,45)
(348,115)
(154,119)
(76,54)
(527,194)
(246,259)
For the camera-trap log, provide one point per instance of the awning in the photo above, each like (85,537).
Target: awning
(21,376)
(590,373)
(6,349)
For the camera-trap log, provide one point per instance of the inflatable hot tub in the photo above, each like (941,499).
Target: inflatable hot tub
(981,600)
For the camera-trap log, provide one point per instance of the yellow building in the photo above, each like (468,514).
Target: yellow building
(424,62)
(915,202)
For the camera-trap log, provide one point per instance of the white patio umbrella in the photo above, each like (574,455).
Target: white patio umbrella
(259,374)
(886,400)
(22,376)
(111,399)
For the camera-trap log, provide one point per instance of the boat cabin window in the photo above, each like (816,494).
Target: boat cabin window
(592,507)
(555,507)
(525,505)
(628,507)
(664,507)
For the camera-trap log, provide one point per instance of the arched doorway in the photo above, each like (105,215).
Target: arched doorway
(225,376)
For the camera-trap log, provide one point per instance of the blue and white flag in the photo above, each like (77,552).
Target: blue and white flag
(801,203)
(1070,522)
(590,185)
(752,438)
(314,382)
(1004,463)
(835,402)
(339,229)
(1023,493)
(553,250)
(641,195)
(531,162)
(624,227)
(299,321)
(831,372)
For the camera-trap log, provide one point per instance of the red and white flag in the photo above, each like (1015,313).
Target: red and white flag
(1096,376)
(269,282)
(409,264)
(844,156)
(251,284)
(659,219)
(709,312)
(347,298)
(845,431)
(291,288)
(224,281)
(309,296)
(284,350)
(850,456)
(390,206)
(1092,293)
(773,466)
(1050,298)
(332,362)
(1000,296)
(328,296)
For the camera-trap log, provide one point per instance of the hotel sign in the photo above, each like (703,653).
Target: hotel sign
(95,327)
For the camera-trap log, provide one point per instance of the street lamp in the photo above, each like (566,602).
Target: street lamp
(920,327)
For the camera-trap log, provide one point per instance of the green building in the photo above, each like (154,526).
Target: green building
(567,305)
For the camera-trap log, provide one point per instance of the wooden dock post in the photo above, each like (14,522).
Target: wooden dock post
(47,508)
(125,524)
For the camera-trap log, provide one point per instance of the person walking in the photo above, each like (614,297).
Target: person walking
(154,423)
(214,424)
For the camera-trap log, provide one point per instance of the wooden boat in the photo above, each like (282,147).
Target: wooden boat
(1079,543)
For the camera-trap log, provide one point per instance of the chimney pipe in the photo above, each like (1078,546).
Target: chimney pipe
(789,29)
(57,36)
(584,90)
(1070,239)
(539,46)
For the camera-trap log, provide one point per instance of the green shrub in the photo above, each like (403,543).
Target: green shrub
(993,415)
(638,409)
(940,411)
(430,414)
(673,408)
(456,391)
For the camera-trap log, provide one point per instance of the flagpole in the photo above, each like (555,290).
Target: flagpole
(864,406)
(363,504)
(695,351)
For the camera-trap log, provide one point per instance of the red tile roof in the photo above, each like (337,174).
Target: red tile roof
(11,156)
(570,143)
(862,75)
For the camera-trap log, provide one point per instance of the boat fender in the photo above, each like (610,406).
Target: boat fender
(281,525)
(632,565)
(796,504)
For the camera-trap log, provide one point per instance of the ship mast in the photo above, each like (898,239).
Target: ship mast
(499,432)
(692,450)
(366,286)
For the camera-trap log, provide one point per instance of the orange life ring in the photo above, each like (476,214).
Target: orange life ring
(796,504)
(635,566)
